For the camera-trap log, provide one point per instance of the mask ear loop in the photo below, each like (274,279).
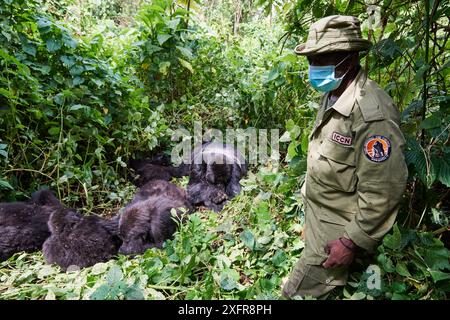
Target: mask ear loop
(343,60)
(342,77)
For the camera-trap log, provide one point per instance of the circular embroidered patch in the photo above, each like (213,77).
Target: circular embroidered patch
(377,148)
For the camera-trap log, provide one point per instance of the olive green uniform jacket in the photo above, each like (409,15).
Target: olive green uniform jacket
(355,180)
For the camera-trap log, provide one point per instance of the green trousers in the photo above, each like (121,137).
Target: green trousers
(309,278)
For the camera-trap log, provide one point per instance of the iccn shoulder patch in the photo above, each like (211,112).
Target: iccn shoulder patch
(377,148)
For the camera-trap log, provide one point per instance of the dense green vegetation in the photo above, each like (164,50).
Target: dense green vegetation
(86,85)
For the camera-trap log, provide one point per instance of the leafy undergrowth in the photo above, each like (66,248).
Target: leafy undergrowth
(242,252)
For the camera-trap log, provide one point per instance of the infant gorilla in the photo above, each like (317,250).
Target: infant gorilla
(216,170)
(23,225)
(147,221)
(80,241)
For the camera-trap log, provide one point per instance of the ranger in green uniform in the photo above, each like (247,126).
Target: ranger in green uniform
(356,168)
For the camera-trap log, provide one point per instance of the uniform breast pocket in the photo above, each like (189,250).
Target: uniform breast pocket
(337,166)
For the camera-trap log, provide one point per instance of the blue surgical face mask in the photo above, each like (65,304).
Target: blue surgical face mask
(322,78)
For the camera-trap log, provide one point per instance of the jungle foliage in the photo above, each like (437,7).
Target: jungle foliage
(86,85)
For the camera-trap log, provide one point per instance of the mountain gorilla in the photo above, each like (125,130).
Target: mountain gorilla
(159,167)
(80,241)
(23,225)
(147,221)
(216,170)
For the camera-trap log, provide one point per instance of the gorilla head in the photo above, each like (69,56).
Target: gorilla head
(216,170)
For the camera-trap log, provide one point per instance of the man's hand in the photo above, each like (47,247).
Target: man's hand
(340,252)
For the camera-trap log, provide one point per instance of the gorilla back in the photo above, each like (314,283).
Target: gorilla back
(80,241)
(23,225)
(147,221)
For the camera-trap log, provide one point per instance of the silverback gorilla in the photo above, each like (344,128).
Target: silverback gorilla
(216,170)
(23,225)
(147,221)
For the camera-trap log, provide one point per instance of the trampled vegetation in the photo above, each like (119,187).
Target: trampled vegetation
(87,85)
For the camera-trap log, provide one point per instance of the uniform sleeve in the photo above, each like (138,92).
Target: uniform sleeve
(382,173)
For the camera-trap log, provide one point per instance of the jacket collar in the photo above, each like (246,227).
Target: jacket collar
(344,105)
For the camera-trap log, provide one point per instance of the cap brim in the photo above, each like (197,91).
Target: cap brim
(360,45)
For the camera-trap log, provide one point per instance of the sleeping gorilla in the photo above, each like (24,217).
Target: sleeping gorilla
(147,221)
(80,241)
(158,167)
(23,225)
(216,169)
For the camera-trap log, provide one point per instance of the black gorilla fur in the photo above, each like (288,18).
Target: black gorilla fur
(215,179)
(147,221)
(80,241)
(23,225)
(158,167)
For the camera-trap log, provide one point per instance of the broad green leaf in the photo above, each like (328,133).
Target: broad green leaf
(53,44)
(286,137)
(99,268)
(173,24)
(228,279)
(279,258)
(134,293)
(101,293)
(305,143)
(54,131)
(164,67)
(402,269)
(273,74)
(68,61)
(419,74)
(150,48)
(114,275)
(162,38)
(185,51)
(437,257)
(439,275)
(77,81)
(386,263)
(46,271)
(186,64)
(69,42)
(442,166)
(44,24)
(399,287)
(290,124)
(358,296)
(5,185)
(394,240)
(29,48)
(263,212)
(292,150)
(431,122)
(248,239)
(77,107)
(6,93)
(290,57)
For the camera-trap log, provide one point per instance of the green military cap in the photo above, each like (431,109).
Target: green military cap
(333,33)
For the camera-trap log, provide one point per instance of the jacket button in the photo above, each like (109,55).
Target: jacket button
(327,281)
